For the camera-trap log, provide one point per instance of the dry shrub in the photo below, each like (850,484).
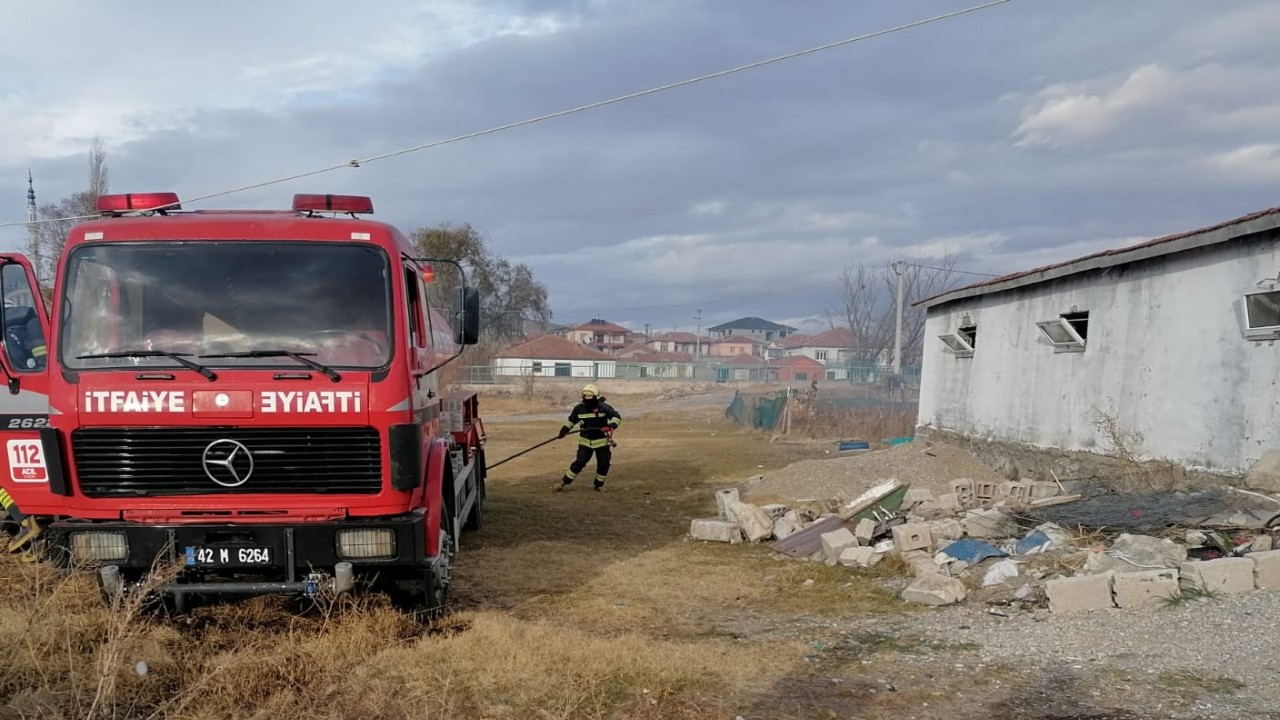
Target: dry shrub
(870,424)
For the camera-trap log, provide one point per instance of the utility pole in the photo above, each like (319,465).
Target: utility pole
(897,334)
(697,352)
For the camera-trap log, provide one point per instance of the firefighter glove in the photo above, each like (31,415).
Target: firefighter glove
(563,431)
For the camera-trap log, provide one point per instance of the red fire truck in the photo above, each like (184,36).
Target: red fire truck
(251,396)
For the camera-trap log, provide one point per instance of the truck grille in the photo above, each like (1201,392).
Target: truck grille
(113,462)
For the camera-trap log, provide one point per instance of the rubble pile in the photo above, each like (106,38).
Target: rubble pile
(989,542)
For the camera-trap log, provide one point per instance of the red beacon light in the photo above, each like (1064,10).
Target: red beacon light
(160,202)
(303,202)
(428,274)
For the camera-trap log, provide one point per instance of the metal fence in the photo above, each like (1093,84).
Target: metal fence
(855,374)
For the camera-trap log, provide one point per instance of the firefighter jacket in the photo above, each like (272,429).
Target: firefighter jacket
(594,421)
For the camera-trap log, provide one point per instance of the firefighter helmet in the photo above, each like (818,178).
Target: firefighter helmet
(591,391)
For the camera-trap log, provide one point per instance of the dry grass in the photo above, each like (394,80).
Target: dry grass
(568,605)
(870,424)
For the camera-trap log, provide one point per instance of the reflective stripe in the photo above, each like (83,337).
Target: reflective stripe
(593,444)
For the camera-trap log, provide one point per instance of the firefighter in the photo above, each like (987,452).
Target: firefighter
(596,420)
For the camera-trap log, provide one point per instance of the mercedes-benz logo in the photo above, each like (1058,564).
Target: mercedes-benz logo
(227,462)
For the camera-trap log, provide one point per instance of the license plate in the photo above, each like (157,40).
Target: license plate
(217,556)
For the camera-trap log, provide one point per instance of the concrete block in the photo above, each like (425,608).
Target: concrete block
(949,502)
(949,529)
(862,557)
(985,490)
(1041,490)
(1262,543)
(914,536)
(1145,587)
(865,531)
(916,495)
(836,542)
(1013,490)
(963,490)
(1266,569)
(715,530)
(1225,575)
(775,510)
(1079,594)
(725,499)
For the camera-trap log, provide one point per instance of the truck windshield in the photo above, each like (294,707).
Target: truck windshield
(331,301)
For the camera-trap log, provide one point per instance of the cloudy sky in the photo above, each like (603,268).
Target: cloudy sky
(1027,133)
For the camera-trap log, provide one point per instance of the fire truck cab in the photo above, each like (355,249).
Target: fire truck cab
(248,399)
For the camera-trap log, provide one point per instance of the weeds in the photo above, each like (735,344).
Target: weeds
(1189,594)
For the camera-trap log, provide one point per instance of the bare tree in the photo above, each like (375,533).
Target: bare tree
(49,236)
(868,305)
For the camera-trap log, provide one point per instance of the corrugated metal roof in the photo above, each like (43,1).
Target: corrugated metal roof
(1169,244)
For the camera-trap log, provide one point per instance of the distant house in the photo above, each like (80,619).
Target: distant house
(832,348)
(679,342)
(600,334)
(752,327)
(551,356)
(796,369)
(641,361)
(735,345)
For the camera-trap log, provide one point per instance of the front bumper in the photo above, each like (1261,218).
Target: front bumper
(242,559)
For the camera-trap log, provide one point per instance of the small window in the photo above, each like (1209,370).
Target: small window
(820,354)
(969,333)
(802,376)
(960,345)
(1068,332)
(1262,315)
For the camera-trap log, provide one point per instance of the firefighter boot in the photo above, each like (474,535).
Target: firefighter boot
(563,484)
(598,484)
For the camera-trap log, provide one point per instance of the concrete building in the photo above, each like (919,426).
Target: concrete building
(1172,342)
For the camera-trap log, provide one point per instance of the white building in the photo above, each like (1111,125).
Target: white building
(551,356)
(1173,339)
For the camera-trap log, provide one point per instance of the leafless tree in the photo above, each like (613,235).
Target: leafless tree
(868,304)
(48,237)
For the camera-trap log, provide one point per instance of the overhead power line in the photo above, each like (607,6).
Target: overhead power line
(570,111)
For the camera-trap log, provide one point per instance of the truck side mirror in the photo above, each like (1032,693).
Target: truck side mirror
(468,330)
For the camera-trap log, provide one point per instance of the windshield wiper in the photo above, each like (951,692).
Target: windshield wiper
(300,357)
(180,358)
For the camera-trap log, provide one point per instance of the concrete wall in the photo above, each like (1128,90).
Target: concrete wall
(1166,357)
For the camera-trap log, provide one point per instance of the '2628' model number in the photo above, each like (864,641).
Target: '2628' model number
(28,423)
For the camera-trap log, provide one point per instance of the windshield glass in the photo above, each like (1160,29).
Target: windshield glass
(203,298)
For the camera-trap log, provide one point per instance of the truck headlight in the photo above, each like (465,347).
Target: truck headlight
(88,548)
(376,544)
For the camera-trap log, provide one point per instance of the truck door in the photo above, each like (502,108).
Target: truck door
(25,434)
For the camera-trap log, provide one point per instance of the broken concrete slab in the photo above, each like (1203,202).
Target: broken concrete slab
(784,528)
(1081,593)
(935,589)
(775,510)
(1040,489)
(991,523)
(1136,552)
(836,542)
(1266,569)
(755,523)
(944,530)
(1265,475)
(860,556)
(1145,587)
(715,530)
(1225,575)
(949,502)
(1262,543)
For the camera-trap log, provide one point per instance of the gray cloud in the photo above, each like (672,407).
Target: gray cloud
(1022,135)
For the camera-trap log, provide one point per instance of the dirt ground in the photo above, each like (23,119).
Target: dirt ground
(570,605)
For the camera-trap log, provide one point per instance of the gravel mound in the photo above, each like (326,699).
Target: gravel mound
(919,464)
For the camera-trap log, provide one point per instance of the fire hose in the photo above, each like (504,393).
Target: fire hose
(535,447)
